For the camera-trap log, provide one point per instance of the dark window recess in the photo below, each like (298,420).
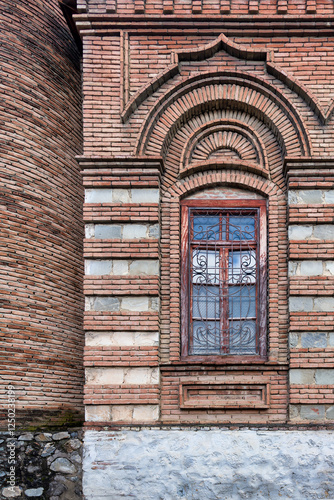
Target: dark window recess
(225,280)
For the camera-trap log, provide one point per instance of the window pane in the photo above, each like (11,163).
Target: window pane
(242,301)
(242,267)
(206,302)
(206,227)
(242,227)
(205,267)
(243,337)
(206,337)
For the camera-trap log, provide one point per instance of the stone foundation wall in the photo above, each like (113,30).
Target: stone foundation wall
(48,465)
(208,464)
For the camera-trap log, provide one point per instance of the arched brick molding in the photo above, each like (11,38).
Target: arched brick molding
(234,91)
(222,138)
(170,262)
(237,50)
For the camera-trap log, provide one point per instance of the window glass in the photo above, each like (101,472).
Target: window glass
(224,280)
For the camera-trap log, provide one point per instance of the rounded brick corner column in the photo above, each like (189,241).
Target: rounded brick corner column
(41,214)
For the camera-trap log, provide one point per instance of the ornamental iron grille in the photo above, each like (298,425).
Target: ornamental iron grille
(223,281)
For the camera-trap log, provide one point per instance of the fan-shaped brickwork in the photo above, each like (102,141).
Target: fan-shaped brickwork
(224,139)
(232,91)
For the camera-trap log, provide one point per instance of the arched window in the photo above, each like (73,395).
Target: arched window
(223,276)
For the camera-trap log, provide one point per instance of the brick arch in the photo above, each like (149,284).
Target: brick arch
(170,255)
(231,177)
(223,90)
(224,134)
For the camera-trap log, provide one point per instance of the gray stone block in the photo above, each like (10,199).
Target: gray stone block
(135,303)
(324,232)
(155,304)
(293,412)
(310,196)
(329,267)
(301,376)
(293,340)
(329,196)
(324,376)
(311,268)
(98,267)
(301,304)
(293,197)
(98,196)
(312,412)
(324,304)
(89,231)
(154,231)
(313,339)
(144,267)
(134,231)
(293,266)
(145,195)
(330,413)
(331,339)
(300,232)
(107,231)
(120,267)
(111,304)
(121,196)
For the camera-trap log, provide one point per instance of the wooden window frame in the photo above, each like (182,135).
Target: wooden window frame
(261,296)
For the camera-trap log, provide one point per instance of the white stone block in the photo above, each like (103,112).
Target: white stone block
(144,267)
(122,338)
(324,376)
(122,413)
(310,196)
(311,268)
(89,231)
(96,303)
(329,267)
(141,376)
(300,232)
(97,413)
(135,304)
(329,196)
(108,231)
(325,304)
(324,232)
(145,413)
(98,267)
(294,267)
(301,376)
(98,195)
(134,231)
(301,304)
(108,376)
(121,196)
(120,267)
(145,195)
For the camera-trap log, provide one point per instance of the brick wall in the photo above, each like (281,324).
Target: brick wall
(41,214)
(200,103)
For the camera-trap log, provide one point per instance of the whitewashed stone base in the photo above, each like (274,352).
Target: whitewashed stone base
(208,464)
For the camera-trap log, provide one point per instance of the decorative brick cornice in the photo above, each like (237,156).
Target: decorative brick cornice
(309,173)
(236,50)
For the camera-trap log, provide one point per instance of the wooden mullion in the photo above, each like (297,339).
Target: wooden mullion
(185,281)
